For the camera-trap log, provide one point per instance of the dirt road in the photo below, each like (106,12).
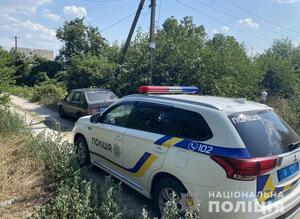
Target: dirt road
(41,118)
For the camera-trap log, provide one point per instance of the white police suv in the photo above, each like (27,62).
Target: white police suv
(226,157)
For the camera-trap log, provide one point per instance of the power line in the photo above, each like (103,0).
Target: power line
(117,9)
(262,18)
(103,1)
(234,16)
(271,27)
(159,12)
(117,22)
(223,23)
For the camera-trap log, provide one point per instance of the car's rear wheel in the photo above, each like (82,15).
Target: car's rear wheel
(164,192)
(82,152)
(62,113)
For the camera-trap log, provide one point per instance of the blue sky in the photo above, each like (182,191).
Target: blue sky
(255,22)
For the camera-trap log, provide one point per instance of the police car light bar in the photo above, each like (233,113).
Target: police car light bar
(168,90)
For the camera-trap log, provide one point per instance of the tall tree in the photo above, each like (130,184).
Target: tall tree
(280,66)
(227,70)
(79,39)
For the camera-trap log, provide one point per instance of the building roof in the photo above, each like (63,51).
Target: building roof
(30,53)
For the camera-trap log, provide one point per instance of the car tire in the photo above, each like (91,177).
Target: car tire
(163,190)
(62,113)
(82,152)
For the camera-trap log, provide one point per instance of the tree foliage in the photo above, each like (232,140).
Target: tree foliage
(89,70)
(79,39)
(6,75)
(22,68)
(184,55)
(280,67)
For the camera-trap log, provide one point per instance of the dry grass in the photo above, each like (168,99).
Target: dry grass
(21,180)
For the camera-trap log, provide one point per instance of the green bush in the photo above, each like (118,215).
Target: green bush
(109,205)
(6,76)
(75,197)
(12,124)
(49,93)
(58,157)
(25,92)
(72,201)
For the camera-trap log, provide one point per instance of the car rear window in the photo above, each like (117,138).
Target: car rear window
(100,96)
(264,133)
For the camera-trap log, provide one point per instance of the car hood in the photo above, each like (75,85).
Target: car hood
(84,120)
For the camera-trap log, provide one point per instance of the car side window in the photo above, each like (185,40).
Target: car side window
(118,115)
(81,98)
(153,118)
(69,98)
(190,125)
(76,97)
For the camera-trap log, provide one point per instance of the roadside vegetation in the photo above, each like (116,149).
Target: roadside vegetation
(21,176)
(40,178)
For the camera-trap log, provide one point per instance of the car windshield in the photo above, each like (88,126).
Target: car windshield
(264,133)
(101,96)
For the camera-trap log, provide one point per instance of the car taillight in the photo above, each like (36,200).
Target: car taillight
(245,169)
(91,111)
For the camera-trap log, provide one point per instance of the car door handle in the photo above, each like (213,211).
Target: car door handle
(89,128)
(118,138)
(158,150)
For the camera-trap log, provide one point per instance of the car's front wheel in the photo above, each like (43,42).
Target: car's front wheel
(82,152)
(166,190)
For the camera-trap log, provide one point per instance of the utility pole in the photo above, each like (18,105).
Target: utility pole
(16,43)
(16,46)
(135,20)
(152,40)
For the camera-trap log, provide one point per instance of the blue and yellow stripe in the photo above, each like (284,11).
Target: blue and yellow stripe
(142,165)
(139,169)
(168,141)
(266,190)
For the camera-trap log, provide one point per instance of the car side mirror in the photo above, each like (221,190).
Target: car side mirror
(95,118)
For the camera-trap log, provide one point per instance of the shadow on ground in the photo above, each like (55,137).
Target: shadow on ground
(133,201)
(65,125)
